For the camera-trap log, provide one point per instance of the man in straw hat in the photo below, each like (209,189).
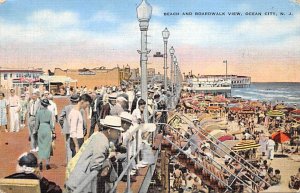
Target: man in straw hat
(127,139)
(108,106)
(62,119)
(118,108)
(76,123)
(93,155)
(23,110)
(95,109)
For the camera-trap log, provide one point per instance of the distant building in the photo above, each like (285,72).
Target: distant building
(11,77)
(96,76)
(236,81)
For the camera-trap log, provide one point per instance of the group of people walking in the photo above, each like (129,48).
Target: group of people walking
(112,114)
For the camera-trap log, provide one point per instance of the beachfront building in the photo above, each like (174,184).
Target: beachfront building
(209,86)
(236,81)
(19,77)
(96,76)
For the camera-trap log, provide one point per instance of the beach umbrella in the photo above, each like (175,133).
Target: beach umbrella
(217,133)
(247,112)
(275,113)
(210,128)
(225,138)
(220,99)
(280,137)
(213,108)
(235,109)
(295,113)
(203,103)
(279,107)
(255,104)
(296,119)
(245,145)
(233,105)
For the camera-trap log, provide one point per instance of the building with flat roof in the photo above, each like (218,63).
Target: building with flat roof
(12,77)
(96,76)
(236,81)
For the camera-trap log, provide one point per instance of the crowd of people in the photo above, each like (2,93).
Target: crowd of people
(100,124)
(113,115)
(254,122)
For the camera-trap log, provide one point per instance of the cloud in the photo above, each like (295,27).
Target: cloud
(50,18)
(104,16)
(264,31)
(157,10)
(52,37)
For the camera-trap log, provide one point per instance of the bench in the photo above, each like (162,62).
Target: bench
(19,185)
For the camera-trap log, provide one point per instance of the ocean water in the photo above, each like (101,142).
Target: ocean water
(287,92)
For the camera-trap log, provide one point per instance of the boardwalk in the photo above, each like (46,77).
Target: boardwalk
(13,145)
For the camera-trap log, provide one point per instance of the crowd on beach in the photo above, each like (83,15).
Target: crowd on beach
(253,121)
(114,113)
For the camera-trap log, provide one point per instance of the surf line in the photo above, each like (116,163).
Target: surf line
(209,13)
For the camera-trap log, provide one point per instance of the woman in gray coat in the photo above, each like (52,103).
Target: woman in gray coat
(45,131)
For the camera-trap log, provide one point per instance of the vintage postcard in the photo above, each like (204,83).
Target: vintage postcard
(149,96)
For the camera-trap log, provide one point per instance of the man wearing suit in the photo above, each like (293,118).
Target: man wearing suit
(108,106)
(93,155)
(118,108)
(95,111)
(135,101)
(63,117)
(33,107)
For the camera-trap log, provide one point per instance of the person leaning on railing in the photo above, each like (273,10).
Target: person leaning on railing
(93,155)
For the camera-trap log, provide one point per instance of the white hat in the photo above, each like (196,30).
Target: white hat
(148,127)
(113,122)
(113,96)
(139,93)
(126,117)
(120,98)
(36,91)
(46,92)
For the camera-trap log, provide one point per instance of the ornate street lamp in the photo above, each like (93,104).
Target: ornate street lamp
(172,51)
(144,12)
(165,35)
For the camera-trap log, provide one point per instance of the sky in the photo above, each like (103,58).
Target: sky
(94,33)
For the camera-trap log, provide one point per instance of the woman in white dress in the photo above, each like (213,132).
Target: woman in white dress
(3,112)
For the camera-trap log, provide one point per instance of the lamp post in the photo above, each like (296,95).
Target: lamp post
(176,79)
(144,12)
(172,51)
(225,61)
(165,35)
(174,71)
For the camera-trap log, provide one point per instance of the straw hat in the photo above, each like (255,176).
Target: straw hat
(125,116)
(113,96)
(112,122)
(148,127)
(74,98)
(45,102)
(120,98)
(36,91)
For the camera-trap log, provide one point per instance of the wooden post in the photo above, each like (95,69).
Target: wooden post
(165,171)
